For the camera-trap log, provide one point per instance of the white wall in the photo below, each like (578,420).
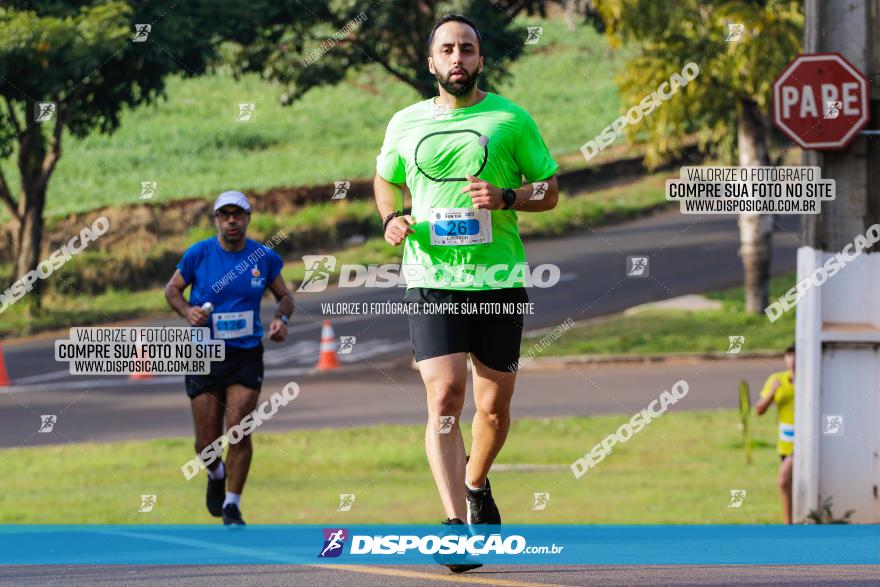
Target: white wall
(838,372)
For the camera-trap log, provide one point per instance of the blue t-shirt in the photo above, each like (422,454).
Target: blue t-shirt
(234,283)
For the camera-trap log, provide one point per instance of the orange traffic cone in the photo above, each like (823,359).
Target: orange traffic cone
(140,374)
(4,376)
(327,359)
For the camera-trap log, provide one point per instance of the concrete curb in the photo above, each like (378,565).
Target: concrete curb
(559,363)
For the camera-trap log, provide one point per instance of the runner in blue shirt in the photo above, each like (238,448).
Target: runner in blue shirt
(231,272)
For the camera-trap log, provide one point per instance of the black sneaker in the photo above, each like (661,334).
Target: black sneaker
(459,566)
(215,495)
(481,506)
(232,515)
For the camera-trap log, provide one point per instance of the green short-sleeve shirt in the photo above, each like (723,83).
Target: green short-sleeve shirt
(432,151)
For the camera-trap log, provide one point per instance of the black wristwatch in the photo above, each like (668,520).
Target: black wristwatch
(509,197)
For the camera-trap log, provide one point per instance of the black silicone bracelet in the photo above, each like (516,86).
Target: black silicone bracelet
(389,218)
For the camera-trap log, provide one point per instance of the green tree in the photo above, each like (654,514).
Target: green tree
(391,34)
(727,106)
(74,66)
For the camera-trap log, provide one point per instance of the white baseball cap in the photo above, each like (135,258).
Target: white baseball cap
(232,198)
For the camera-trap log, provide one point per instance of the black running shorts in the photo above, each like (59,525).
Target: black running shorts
(493,337)
(241,366)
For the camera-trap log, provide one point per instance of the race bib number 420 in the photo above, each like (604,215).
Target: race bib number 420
(460,226)
(233,324)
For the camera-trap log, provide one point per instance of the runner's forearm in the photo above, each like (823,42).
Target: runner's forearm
(763,404)
(285,307)
(176,300)
(526,201)
(389,197)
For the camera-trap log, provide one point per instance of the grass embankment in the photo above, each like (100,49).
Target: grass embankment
(192,145)
(678,470)
(65,307)
(680,331)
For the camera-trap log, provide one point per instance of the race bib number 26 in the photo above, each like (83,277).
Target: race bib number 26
(460,226)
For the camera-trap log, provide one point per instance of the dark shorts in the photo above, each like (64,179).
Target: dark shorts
(241,366)
(492,338)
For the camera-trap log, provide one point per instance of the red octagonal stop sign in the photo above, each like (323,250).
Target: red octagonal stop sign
(821,101)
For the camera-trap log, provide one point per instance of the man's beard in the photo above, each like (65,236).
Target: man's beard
(230,239)
(462,86)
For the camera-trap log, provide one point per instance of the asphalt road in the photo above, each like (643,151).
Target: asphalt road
(687,254)
(384,394)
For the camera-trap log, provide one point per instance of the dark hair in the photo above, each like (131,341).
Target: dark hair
(789,350)
(455,18)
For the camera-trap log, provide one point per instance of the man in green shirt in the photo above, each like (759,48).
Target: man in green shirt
(472,160)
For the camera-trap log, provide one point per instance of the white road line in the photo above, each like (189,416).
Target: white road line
(371,349)
(317,327)
(44,377)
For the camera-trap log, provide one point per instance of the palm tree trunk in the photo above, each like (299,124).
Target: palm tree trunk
(755,230)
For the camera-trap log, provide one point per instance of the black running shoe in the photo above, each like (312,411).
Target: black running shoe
(481,506)
(456,562)
(232,515)
(215,495)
